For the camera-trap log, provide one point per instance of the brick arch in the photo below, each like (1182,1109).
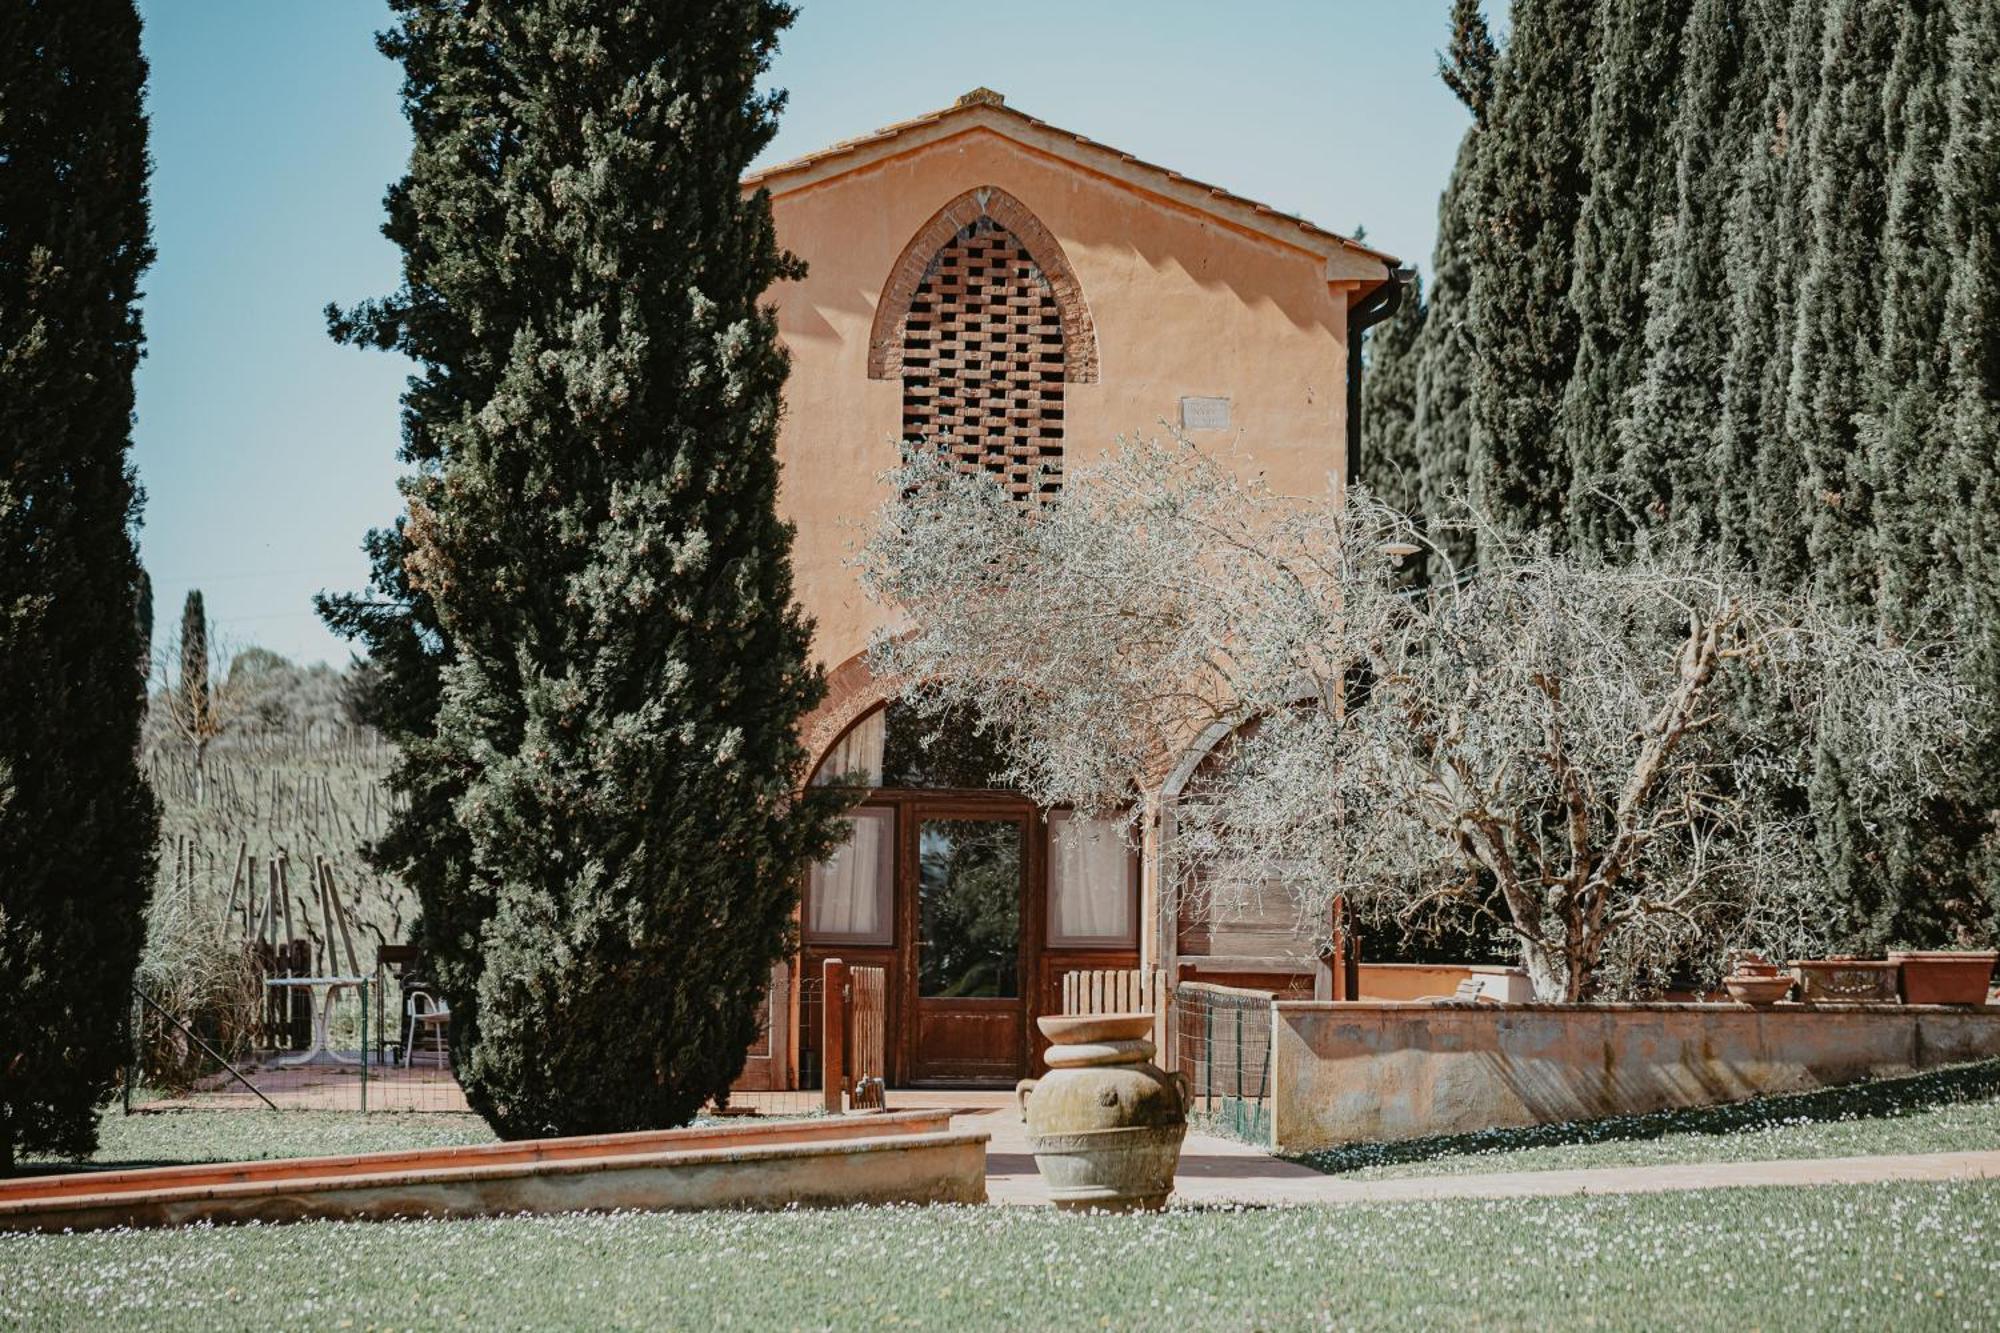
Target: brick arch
(852,692)
(885,339)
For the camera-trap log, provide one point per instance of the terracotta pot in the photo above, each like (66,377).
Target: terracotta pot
(1944,977)
(1757,989)
(1105,1124)
(1846,980)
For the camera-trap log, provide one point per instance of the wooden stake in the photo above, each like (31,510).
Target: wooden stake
(340,916)
(253,910)
(236,887)
(833,1036)
(326,917)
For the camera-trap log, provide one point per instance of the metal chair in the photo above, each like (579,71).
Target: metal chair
(425,1015)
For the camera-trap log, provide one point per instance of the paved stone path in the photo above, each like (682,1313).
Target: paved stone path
(1223,1171)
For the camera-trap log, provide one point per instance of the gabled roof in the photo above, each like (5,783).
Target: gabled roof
(984,111)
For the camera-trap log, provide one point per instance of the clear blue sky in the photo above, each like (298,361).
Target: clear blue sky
(266,451)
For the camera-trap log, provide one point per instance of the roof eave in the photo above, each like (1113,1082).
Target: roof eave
(1347,260)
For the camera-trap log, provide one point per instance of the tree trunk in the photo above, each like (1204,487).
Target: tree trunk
(1554,980)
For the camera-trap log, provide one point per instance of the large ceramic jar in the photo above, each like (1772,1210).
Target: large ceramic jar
(1105,1124)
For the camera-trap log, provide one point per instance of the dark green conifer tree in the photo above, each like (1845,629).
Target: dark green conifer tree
(143,619)
(1534,177)
(1838,318)
(1675,474)
(1630,163)
(616,658)
(1967,431)
(194,650)
(1393,457)
(1934,866)
(1766,229)
(77,821)
(1904,380)
(1835,344)
(1445,351)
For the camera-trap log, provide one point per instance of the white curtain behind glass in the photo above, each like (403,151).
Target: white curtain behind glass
(858,757)
(1090,881)
(849,892)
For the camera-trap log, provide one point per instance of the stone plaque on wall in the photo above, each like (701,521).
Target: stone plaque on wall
(1204,414)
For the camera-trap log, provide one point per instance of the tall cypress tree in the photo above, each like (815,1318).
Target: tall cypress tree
(1534,176)
(194,700)
(618,664)
(1389,404)
(1835,340)
(1766,229)
(1839,297)
(194,652)
(77,822)
(1937,866)
(1631,168)
(1904,381)
(1675,473)
(1968,423)
(1443,407)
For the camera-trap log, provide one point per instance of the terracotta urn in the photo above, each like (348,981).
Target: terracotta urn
(1941,977)
(1105,1123)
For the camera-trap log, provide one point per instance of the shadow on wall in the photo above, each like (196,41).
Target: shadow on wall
(1887,1099)
(1360,1073)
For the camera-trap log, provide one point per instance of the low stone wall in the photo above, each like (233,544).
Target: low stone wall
(1361,1073)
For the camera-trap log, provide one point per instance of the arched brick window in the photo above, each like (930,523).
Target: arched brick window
(983,360)
(984,323)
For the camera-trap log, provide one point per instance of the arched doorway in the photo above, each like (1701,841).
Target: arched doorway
(972,900)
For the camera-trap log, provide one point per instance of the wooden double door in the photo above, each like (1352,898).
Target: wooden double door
(958,933)
(962,934)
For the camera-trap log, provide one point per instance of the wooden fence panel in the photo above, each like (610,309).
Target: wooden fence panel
(870,1026)
(1124,991)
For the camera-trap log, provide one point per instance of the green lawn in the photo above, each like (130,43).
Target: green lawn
(157,1138)
(1903,1256)
(1949,1111)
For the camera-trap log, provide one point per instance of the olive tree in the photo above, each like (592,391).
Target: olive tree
(1609,760)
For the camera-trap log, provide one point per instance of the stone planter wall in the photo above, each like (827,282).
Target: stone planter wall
(1358,1073)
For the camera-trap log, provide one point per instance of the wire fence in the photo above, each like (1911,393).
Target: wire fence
(289,1034)
(1221,1039)
(311,1043)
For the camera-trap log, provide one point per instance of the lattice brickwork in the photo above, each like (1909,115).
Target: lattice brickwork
(982,360)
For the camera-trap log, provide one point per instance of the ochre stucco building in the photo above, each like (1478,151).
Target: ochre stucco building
(1026,295)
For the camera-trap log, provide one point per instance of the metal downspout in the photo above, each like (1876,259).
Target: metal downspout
(1378,305)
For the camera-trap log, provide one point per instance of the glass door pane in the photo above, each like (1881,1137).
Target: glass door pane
(969,908)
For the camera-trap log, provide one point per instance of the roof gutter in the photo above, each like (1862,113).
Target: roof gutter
(1378,305)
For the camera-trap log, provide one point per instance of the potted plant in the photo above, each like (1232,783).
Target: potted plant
(1847,979)
(1944,976)
(1755,980)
